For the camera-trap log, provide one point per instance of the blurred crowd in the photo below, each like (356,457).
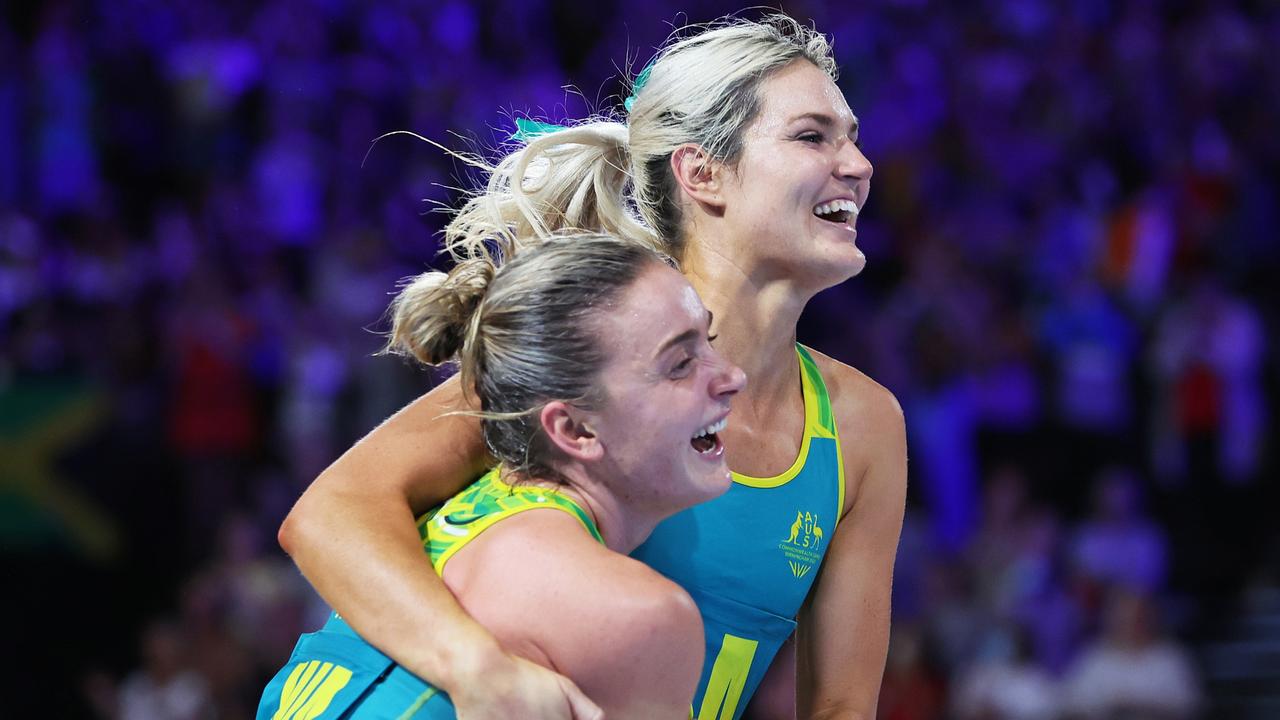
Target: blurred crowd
(1070,288)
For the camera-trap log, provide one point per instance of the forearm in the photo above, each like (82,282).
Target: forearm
(843,634)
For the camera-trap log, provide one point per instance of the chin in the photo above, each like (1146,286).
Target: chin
(721,481)
(710,485)
(856,266)
(833,270)
(837,259)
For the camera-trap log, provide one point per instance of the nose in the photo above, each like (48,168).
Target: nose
(728,380)
(854,167)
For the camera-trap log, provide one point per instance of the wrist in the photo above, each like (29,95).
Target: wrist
(465,661)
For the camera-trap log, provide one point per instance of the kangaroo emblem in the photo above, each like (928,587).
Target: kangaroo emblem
(796,527)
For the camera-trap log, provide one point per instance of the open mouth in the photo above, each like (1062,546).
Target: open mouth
(836,211)
(707,441)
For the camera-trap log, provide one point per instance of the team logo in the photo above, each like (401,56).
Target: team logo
(801,548)
(309,690)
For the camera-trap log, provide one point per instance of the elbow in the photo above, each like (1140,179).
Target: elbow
(302,522)
(290,533)
(287,535)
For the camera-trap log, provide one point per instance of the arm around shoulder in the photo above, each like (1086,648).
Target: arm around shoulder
(353,535)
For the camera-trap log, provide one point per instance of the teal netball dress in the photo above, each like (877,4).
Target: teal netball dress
(749,557)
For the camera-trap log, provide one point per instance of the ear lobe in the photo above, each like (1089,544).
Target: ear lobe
(568,432)
(697,173)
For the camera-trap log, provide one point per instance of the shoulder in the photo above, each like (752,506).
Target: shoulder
(863,407)
(855,397)
(636,645)
(871,424)
(626,635)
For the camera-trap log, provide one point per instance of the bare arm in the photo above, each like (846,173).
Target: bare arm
(623,633)
(353,535)
(843,635)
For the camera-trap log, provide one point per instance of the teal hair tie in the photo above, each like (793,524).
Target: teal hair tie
(527,129)
(636,86)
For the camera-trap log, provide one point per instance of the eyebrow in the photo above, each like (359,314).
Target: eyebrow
(825,120)
(684,337)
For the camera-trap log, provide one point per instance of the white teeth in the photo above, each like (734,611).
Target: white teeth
(836,205)
(713,428)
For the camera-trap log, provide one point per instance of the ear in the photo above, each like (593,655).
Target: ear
(567,430)
(698,174)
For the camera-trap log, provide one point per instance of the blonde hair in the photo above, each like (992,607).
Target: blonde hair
(524,334)
(616,178)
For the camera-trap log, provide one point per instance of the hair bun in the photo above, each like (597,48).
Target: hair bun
(436,314)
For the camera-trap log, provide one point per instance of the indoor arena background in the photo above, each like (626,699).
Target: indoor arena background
(1071,287)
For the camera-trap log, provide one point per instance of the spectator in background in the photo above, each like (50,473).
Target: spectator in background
(1118,544)
(1039,594)
(1005,508)
(955,621)
(258,597)
(912,689)
(1091,346)
(165,687)
(1133,670)
(213,422)
(66,155)
(1006,683)
(1211,412)
(926,337)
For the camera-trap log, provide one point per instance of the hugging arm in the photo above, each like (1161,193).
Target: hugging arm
(843,634)
(353,535)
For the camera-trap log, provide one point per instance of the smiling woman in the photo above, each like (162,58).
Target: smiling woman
(597,390)
(800,180)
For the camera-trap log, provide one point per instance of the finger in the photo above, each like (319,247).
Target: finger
(579,704)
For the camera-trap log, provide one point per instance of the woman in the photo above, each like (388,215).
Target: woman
(569,348)
(740,155)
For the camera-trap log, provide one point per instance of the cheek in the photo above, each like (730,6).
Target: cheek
(640,420)
(655,426)
(792,180)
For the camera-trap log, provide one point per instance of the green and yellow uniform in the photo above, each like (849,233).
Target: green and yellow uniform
(334,673)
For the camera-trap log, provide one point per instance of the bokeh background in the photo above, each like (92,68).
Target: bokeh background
(1071,288)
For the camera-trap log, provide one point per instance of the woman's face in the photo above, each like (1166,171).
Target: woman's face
(792,200)
(665,387)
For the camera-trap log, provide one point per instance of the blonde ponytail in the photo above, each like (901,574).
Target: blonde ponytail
(576,179)
(436,316)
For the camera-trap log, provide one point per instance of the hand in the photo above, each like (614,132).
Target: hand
(518,688)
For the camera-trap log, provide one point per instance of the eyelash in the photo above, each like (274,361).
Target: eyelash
(817,138)
(684,364)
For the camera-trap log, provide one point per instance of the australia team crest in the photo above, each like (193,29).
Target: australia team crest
(802,546)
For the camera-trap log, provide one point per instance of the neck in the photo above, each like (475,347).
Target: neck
(623,525)
(755,321)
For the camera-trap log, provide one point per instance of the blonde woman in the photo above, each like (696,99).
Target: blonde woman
(569,349)
(739,155)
